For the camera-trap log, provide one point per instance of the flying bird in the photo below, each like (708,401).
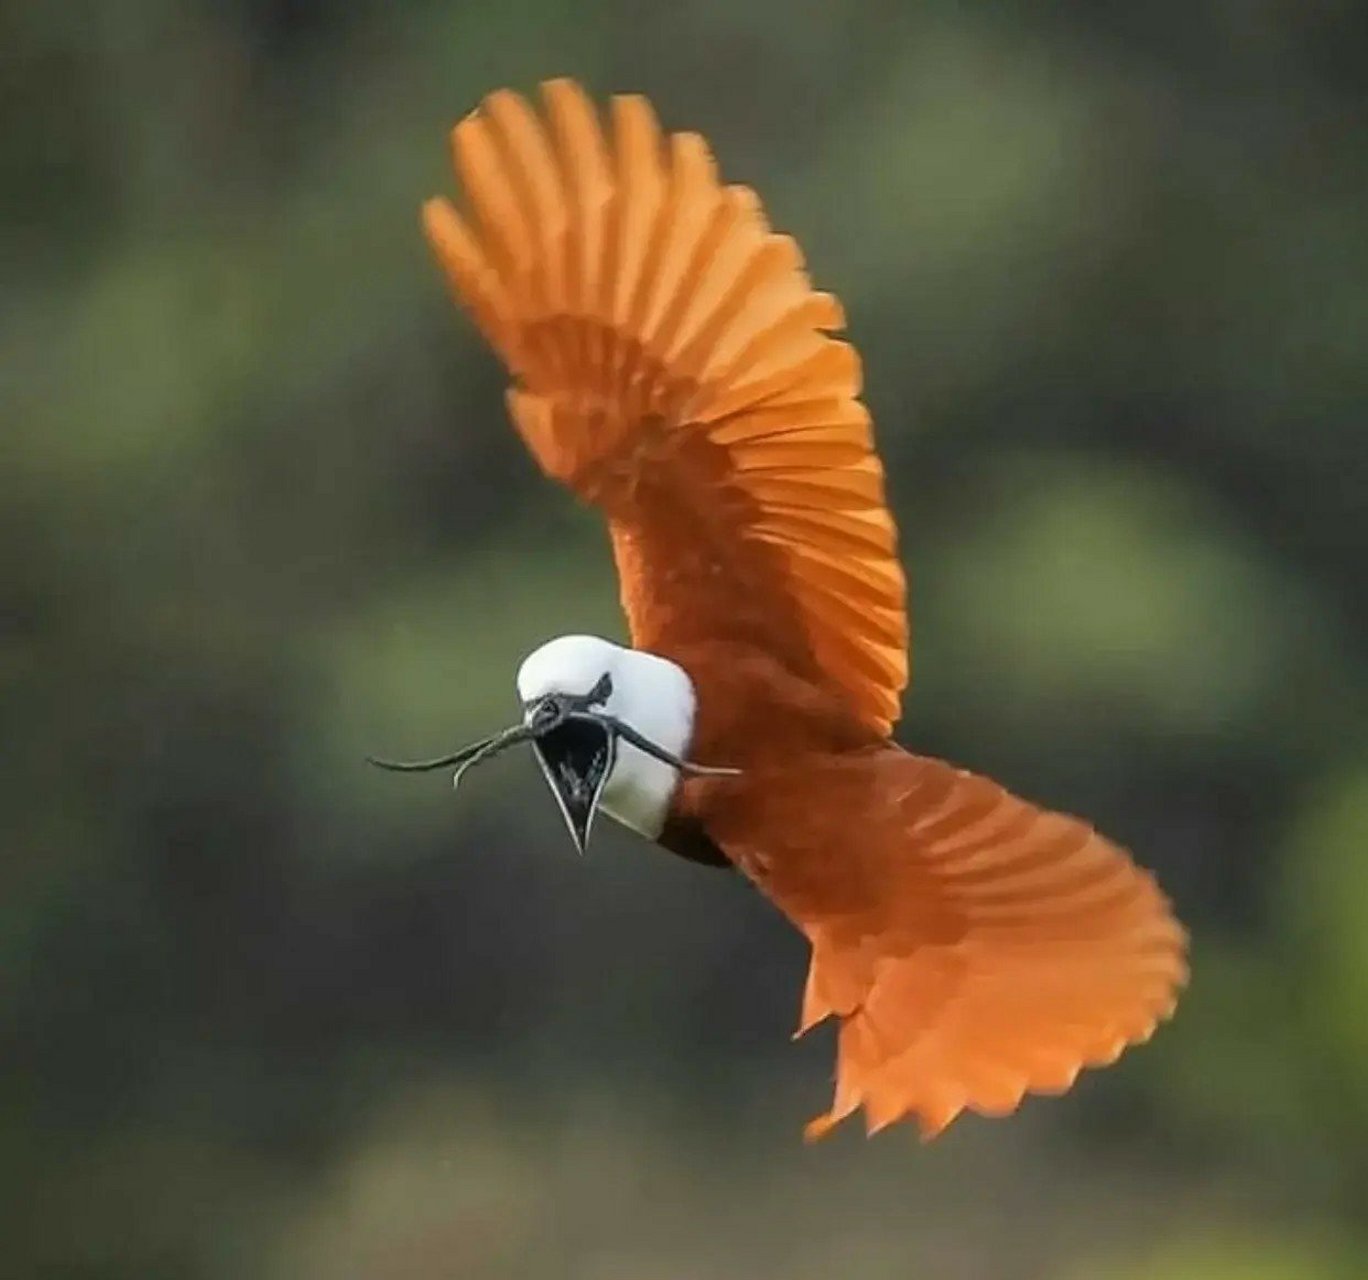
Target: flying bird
(671,364)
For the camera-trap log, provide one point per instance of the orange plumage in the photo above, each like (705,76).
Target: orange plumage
(673,366)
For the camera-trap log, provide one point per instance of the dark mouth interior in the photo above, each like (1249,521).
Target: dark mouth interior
(577,754)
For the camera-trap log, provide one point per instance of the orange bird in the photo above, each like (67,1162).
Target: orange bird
(672,365)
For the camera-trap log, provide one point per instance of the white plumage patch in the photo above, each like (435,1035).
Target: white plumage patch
(652,694)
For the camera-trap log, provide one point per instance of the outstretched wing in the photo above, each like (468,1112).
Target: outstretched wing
(672,365)
(975,948)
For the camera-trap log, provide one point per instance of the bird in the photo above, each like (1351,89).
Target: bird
(671,364)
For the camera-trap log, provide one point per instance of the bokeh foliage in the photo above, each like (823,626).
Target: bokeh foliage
(264,1013)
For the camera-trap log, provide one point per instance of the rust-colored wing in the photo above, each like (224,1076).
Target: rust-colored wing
(672,365)
(974,947)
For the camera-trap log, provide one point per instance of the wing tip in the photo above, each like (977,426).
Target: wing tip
(437,214)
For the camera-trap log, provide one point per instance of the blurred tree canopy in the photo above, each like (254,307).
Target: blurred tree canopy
(264,1013)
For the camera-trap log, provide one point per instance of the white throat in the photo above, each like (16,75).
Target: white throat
(651,694)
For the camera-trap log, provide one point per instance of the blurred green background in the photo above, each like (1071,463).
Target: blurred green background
(267,1013)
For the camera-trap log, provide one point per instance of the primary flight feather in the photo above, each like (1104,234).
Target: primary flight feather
(672,365)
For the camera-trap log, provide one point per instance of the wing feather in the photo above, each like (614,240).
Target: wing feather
(830,421)
(673,365)
(733,239)
(975,948)
(844,490)
(790,526)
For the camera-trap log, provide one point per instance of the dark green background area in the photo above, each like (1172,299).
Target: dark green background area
(267,1013)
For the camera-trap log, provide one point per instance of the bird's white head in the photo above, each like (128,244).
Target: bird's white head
(610,706)
(611,728)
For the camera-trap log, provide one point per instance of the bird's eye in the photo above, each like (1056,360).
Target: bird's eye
(548,709)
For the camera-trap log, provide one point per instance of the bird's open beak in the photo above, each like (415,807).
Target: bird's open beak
(577,758)
(576,746)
